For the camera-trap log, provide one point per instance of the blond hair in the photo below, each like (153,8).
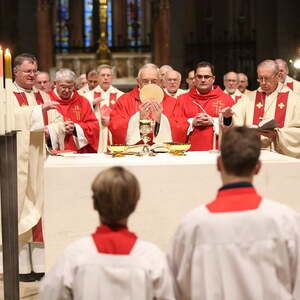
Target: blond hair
(115,194)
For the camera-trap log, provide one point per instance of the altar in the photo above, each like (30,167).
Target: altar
(170,187)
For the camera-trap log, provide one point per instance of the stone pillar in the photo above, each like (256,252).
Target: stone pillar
(76,24)
(45,35)
(162,35)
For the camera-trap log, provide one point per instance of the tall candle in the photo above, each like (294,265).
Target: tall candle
(2,107)
(10,120)
(1,69)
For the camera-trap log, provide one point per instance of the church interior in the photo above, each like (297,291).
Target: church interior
(234,35)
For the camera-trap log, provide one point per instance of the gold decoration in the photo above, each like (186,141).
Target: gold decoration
(103,53)
(281,105)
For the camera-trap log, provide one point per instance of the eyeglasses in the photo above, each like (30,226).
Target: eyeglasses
(206,77)
(27,72)
(267,80)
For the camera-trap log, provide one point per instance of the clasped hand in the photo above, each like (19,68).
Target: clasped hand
(153,108)
(202,120)
(69,127)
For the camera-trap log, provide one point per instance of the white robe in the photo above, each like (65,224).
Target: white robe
(248,255)
(296,84)
(177,94)
(236,96)
(288,137)
(83,273)
(105,135)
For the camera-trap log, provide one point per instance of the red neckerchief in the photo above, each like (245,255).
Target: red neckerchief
(118,240)
(235,199)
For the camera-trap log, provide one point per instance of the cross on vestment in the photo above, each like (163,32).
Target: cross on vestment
(77,110)
(281,105)
(218,104)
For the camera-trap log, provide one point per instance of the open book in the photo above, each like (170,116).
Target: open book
(267,125)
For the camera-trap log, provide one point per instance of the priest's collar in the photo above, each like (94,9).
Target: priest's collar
(240,184)
(21,90)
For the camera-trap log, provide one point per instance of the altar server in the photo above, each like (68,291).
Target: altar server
(241,245)
(111,263)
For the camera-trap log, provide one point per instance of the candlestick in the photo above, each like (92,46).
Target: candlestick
(1,69)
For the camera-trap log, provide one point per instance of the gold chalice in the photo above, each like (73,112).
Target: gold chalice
(117,150)
(177,148)
(145,129)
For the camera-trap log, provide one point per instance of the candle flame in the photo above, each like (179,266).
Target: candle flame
(7,52)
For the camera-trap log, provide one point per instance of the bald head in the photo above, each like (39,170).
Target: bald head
(148,73)
(268,76)
(283,69)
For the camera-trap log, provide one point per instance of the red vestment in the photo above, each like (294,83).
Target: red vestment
(78,110)
(128,104)
(201,138)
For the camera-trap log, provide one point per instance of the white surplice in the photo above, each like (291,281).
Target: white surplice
(83,273)
(105,135)
(248,255)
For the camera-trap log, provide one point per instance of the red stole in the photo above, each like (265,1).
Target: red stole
(235,199)
(290,85)
(22,99)
(237,98)
(119,240)
(280,111)
(106,109)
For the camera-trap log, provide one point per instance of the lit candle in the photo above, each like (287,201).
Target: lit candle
(2,107)
(10,120)
(1,69)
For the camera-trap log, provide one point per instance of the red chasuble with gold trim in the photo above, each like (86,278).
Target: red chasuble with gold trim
(118,240)
(78,110)
(128,104)
(280,112)
(201,138)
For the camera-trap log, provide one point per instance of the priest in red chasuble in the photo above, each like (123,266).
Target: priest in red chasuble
(272,100)
(129,110)
(81,125)
(200,108)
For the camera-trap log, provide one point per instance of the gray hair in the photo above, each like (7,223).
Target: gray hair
(269,63)
(103,66)
(242,75)
(177,73)
(148,66)
(24,57)
(65,74)
(283,62)
(231,72)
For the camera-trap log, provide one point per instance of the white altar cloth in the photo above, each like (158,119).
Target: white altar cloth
(170,185)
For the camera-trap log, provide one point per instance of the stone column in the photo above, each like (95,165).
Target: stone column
(162,43)
(45,34)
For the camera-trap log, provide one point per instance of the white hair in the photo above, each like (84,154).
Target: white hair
(231,72)
(65,74)
(101,67)
(148,66)
(269,63)
(177,73)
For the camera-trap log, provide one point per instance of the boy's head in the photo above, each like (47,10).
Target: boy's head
(115,194)
(240,150)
